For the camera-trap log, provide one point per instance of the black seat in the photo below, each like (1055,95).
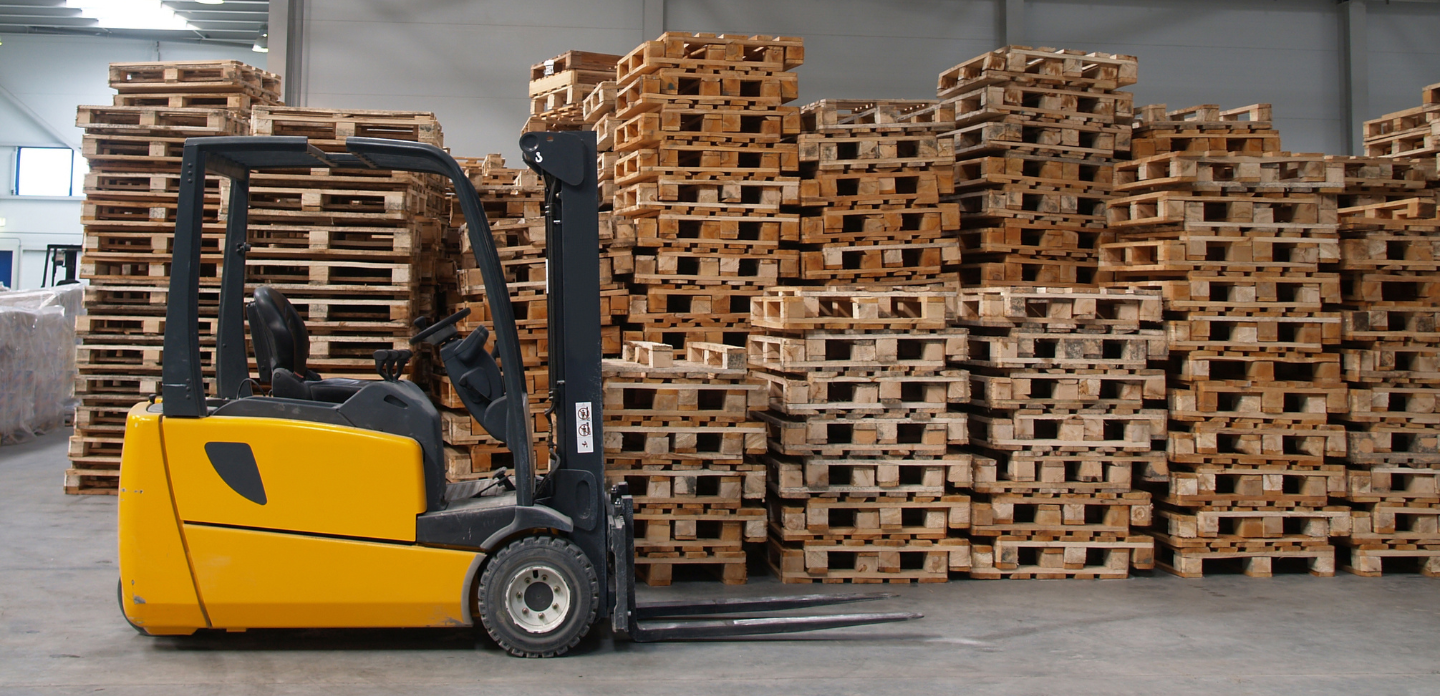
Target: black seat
(282,347)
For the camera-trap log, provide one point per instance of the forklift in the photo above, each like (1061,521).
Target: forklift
(324,503)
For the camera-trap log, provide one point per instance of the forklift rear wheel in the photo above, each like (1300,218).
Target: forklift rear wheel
(539,596)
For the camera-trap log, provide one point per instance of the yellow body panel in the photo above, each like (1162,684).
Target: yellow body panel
(156,588)
(254,579)
(318,478)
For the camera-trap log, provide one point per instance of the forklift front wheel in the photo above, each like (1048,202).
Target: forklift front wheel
(539,596)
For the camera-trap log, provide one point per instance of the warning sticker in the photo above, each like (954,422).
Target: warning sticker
(584,431)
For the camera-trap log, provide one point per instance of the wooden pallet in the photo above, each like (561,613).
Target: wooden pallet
(1066,473)
(1280,485)
(1228,443)
(1010,270)
(722,196)
(337,125)
(1042,103)
(696,229)
(1410,522)
(1290,402)
(1070,140)
(1394,404)
(863,562)
(219,76)
(659,571)
(1067,390)
(656,484)
(1019,558)
(1216,331)
(751,129)
(835,225)
(705,161)
(874,152)
(707,52)
(868,518)
(855,116)
(717,88)
(1065,515)
(1094,71)
(1076,207)
(1040,349)
(1382,482)
(1181,525)
(1058,308)
(1156,259)
(799,309)
(1256,560)
(1391,363)
(864,435)
(845,351)
(878,264)
(1240,296)
(661,528)
(1212,173)
(932,476)
(1202,212)
(701,267)
(1370,560)
(905,188)
(159,121)
(858,394)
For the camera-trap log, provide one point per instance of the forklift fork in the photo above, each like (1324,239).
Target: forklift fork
(660,621)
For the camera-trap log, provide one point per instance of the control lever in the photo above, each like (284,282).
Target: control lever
(441,331)
(391,363)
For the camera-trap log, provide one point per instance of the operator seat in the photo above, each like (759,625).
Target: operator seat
(282,347)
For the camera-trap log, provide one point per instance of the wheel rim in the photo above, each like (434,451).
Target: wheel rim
(538,598)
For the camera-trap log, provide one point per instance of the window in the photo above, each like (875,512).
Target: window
(49,171)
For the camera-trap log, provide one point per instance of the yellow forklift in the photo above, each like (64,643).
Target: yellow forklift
(324,504)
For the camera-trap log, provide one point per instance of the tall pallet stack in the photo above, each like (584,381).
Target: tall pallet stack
(1037,132)
(1243,247)
(1067,406)
(1390,302)
(134,150)
(559,87)
(679,433)
(704,171)
(872,176)
(355,251)
(865,484)
(1410,133)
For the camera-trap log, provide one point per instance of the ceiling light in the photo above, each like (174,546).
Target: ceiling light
(131,14)
(211,2)
(262,42)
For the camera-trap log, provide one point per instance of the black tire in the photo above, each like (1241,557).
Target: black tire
(562,577)
(120,597)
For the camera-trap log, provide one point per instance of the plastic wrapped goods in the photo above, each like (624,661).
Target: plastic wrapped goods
(37,360)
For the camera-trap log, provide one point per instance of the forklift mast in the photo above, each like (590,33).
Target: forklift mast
(566,163)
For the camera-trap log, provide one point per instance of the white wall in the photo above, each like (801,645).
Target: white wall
(50,76)
(467,61)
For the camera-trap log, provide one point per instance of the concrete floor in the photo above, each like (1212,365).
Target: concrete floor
(60,633)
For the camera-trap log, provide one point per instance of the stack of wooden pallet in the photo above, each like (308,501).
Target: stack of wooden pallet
(1037,133)
(1409,133)
(1390,258)
(134,150)
(873,173)
(1064,400)
(864,486)
(560,85)
(679,433)
(1242,247)
(701,170)
(355,251)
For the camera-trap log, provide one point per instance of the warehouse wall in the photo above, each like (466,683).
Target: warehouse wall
(467,61)
(50,76)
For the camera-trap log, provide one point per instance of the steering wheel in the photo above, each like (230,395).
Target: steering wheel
(441,325)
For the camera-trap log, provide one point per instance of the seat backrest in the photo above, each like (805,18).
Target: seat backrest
(278,333)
